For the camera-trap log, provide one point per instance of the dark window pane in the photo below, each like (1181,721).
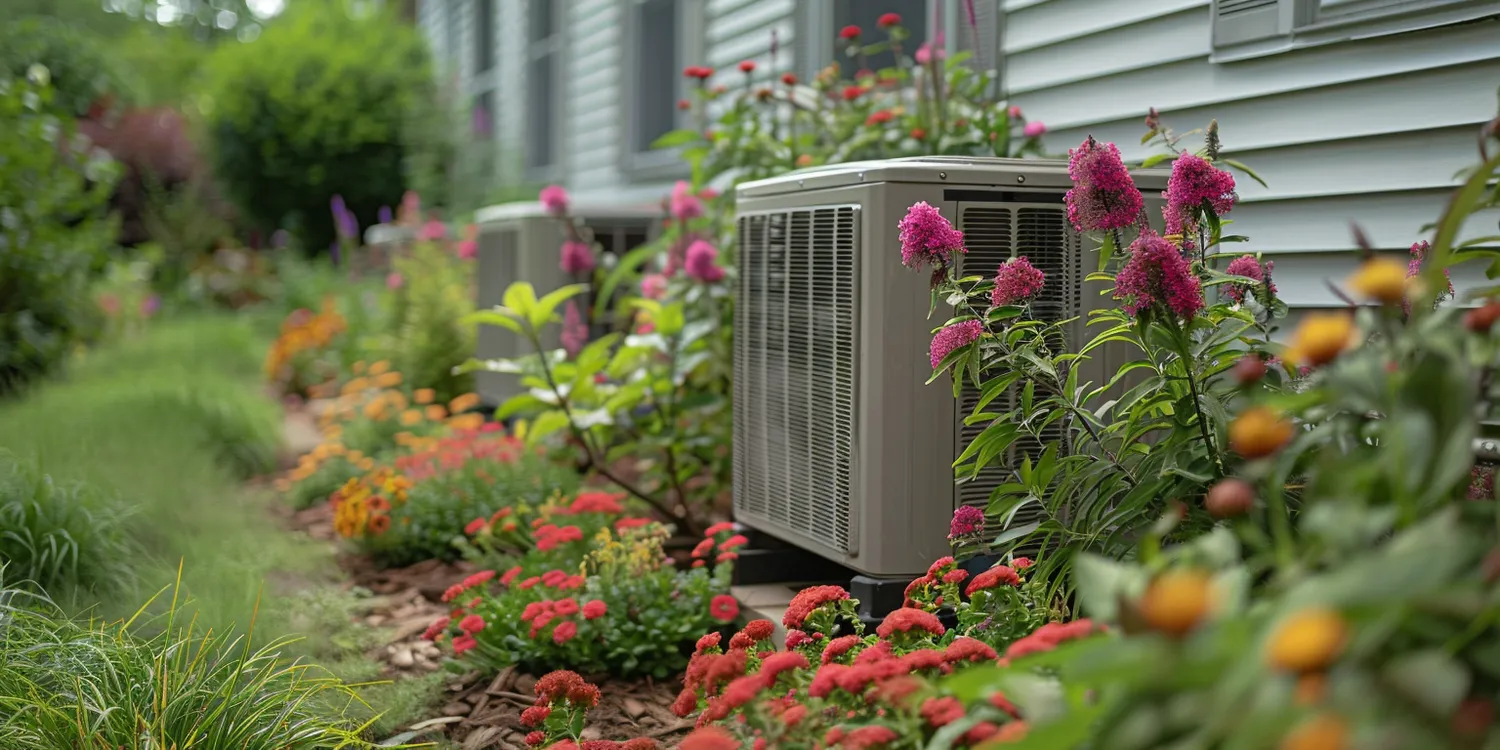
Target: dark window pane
(658,70)
(541,19)
(539,106)
(864,14)
(484,35)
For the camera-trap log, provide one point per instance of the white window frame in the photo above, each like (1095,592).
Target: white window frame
(657,164)
(1247,29)
(556,46)
(815,44)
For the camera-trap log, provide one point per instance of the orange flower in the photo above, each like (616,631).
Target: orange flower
(1308,641)
(1380,279)
(388,380)
(1320,338)
(1259,432)
(410,417)
(1177,601)
(436,412)
(380,368)
(424,395)
(379,524)
(463,403)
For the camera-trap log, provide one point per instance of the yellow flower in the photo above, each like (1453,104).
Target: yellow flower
(467,421)
(356,385)
(463,403)
(410,417)
(1380,279)
(425,395)
(1307,641)
(1259,432)
(1321,338)
(388,380)
(380,368)
(1177,601)
(436,412)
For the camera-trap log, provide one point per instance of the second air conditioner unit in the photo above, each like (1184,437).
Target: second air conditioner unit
(521,242)
(839,446)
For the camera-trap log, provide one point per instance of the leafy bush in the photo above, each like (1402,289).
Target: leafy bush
(417,506)
(65,684)
(313,108)
(301,358)
(627,611)
(83,74)
(55,232)
(61,536)
(432,290)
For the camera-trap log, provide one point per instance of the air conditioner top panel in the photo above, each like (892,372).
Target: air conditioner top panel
(508,212)
(388,234)
(966,171)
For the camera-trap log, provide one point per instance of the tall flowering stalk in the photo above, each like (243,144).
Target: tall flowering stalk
(1085,435)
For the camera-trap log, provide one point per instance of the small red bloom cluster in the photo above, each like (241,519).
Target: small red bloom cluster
(550,536)
(699,72)
(565,693)
(473,581)
(594,502)
(453,452)
(808,601)
(1049,636)
(543,613)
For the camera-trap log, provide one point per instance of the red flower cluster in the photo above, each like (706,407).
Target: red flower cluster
(907,619)
(724,608)
(888,20)
(594,502)
(1049,636)
(996,576)
(455,451)
(550,536)
(808,600)
(850,33)
(699,72)
(477,579)
(543,613)
(564,685)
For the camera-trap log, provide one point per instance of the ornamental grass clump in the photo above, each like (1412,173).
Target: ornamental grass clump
(62,536)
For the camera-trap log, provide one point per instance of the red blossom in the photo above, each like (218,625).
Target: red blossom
(631,523)
(849,33)
(942,711)
(597,502)
(453,592)
(747,66)
(481,577)
(998,700)
(850,93)
(566,607)
(784,661)
(794,715)
(796,638)
(996,576)
(703,548)
(906,619)
(740,640)
(1049,636)
(554,686)
(463,643)
(719,528)
(1021,563)
(535,715)
(871,736)
(957,575)
(698,71)
(939,565)
(810,599)
(734,542)
(684,105)
(553,577)
(888,20)
(582,693)
(529,582)
(918,133)
(896,690)
(435,630)
(594,610)
(724,608)
(711,640)
(535,738)
(510,575)
(759,630)
(789,79)
(838,647)
(879,117)
(709,738)
(471,624)
(564,632)
(726,557)
(969,649)
(474,526)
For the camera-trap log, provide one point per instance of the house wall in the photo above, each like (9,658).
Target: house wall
(1369,132)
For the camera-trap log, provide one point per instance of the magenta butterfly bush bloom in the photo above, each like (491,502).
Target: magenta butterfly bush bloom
(1414,269)
(577,258)
(685,205)
(1250,268)
(1034,129)
(1194,180)
(575,333)
(926,235)
(701,263)
(654,286)
(1156,272)
(1103,197)
(1017,282)
(394,281)
(554,200)
(967,521)
(432,231)
(951,338)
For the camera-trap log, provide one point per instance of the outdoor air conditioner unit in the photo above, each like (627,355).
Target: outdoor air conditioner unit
(839,447)
(521,242)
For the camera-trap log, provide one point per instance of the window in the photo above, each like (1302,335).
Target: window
(662,37)
(484,35)
(543,48)
(915,16)
(1245,29)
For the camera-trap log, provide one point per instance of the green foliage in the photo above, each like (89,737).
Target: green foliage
(82,71)
(65,684)
(426,337)
(61,535)
(54,189)
(315,107)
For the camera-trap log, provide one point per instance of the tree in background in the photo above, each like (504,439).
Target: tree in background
(317,106)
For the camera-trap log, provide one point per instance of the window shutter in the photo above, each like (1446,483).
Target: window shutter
(1249,28)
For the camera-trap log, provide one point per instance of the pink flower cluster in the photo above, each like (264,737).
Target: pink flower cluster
(684,204)
(1017,282)
(967,521)
(1195,180)
(702,263)
(577,258)
(1414,269)
(1103,195)
(927,236)
(1157,273)
(1250,268)
(953,337)
(554,200)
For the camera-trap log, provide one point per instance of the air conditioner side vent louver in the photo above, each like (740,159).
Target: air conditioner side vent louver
(794,379)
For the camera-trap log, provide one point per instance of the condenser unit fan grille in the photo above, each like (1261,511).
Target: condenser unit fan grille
(993,235)
(794,379)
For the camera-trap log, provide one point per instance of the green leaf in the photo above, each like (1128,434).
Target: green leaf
(520,297)
(629,264)
(1154,159)
(1431,679)
(499,316)
(1248,171)
(541,312)
(1100,583)
(545,424)
(680,137)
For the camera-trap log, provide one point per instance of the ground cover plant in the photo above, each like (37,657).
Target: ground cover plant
(61,535)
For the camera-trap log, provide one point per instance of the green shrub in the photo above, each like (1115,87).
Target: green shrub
(63,684)
(315,108)
(83,74)
(427,336)
(55,231)
(61,536)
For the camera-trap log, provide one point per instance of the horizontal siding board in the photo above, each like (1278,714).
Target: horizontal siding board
(1432,99)
(592,121)
(1040,24)
(1390,220)
(1112,51)
(1392,163)
(1193,84)
(748,20)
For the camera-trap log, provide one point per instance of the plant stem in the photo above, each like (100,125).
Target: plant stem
(1187,368)
(596,461)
